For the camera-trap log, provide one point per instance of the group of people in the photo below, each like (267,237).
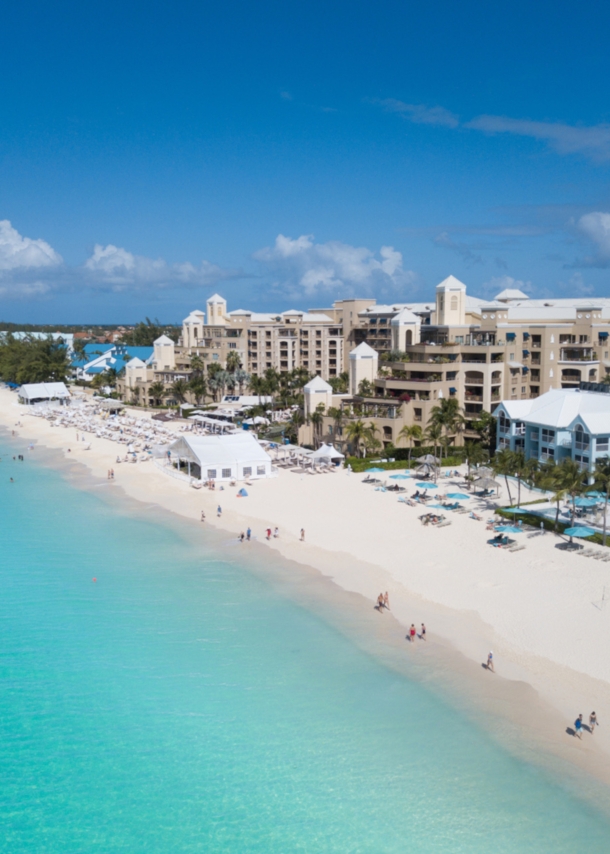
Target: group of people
(383,601)
(110,474)
(579,724)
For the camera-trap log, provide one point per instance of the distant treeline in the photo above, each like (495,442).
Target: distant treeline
(33,360)
(67,328)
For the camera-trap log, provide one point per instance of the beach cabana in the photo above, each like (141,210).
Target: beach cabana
(43,392)
(237,456)
(327,454)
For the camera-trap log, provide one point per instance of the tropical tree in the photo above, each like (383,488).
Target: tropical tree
(157,392)
(179,390)
(371,441)
(78,348)
(316,419)
(366,389)
(503,464)
(485,426)
(259,386)
(475,454)
(242,379)
(434,434)
(33,360)
(602,482)
(135,395)
(233,361)
(144,334)
(197,364)
(572,480)
(340,384)
(198,387)
(448,416)
(338,416)
(410,433)
(356,432)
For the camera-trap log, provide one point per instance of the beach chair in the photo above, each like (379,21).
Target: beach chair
(517,548)
(443,524)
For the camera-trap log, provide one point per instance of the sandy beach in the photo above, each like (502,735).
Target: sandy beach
(537,609)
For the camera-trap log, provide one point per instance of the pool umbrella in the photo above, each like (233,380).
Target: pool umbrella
(586,502)
(374,469)
(427,458)
(426,485)
(509,529)
(399,477)
(459,496)
(579,531)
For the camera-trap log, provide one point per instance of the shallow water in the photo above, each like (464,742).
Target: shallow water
(181,703)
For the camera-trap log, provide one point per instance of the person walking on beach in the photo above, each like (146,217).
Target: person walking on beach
(379,604)
(490,662)
(302,535)
(386,600)
(241,537)
(268,533)
(219,511)
(412,633)
(276,533)
(248,534)
(578,726)
(422,634)
(593,722)
(202,516)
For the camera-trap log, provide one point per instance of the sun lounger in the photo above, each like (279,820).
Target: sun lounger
(443,524)
(517,548)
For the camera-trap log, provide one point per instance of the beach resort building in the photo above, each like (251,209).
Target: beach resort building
(237,456)
(561,423)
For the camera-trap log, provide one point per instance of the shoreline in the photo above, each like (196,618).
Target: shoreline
(524,704)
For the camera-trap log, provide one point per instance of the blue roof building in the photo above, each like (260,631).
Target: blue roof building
(104,357)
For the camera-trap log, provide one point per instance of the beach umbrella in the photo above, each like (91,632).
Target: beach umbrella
(426,485)
(596,495)
(458,496)
(509,529)
(374,469)
(399,477)
(579,531)
(586,502)
(427,458)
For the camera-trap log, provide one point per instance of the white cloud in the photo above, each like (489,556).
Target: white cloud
(592,141)
(18,252)
(595,227)
(302,267)
(420,114)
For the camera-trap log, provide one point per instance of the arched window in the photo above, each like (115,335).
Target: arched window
(454,303)
(503,423)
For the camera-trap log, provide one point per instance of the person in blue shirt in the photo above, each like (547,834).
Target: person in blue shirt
(578,726)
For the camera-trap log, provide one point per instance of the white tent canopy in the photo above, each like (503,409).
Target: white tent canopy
(327,452)
(32,392)
(237,456)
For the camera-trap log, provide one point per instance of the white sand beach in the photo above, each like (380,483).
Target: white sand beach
(538,609)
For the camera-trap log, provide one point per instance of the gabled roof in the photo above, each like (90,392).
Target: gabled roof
(405,316)
(163,339)
(216,298)
(451,282)
(135,363)
(510,293)
(560,408)
(363,351)
(318,384)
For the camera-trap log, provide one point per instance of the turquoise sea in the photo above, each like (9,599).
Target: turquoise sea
(181,703)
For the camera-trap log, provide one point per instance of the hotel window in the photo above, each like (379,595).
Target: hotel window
(581,439)
(417,414)
(601,444)
(232,346)
(548,453)
(548,435)
(260,470)
(211,474)
(503,423)
(523,389)
(248,471)
(226,472)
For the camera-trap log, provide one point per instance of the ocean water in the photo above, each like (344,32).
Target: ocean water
(182,704)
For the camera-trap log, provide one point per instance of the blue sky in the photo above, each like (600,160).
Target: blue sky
(291,154)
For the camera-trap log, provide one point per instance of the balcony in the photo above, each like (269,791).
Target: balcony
(468,397)
(575,355)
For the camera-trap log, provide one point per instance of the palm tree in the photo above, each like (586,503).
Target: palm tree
(571,478)
(475,454)
(338,416)
(448,416)
(198,386)
(242,378)
(157,392)
(434,434)
(316,419)
(179,390)
(371,441)
(602,482)
(410,433)
(233,361)
(356,433)
(503,464)
(135,395)
(197,364)
(259,386)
